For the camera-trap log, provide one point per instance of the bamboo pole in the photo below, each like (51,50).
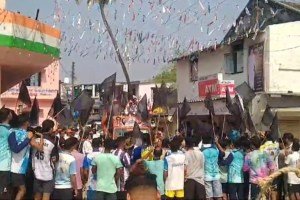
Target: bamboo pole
(110,113)
(167,126)
(224,121)
(212,123)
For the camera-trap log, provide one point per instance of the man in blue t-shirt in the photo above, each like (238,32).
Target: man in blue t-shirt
(5,154)
(20,142)
(213,185)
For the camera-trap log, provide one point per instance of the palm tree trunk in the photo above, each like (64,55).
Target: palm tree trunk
(114,41)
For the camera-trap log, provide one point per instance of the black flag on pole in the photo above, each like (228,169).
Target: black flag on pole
(65,117)
(184,110)
(136,133)
(228,101)
(107,89)
(274,129)
(24,96)
(249,122)
(143,108)
(246,93)
(268,116)
(56,107)
(83,104)
(34,113)
(208,102)
(160,99)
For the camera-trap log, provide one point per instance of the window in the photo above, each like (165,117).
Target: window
(234,60)
(194,70)
(34,80)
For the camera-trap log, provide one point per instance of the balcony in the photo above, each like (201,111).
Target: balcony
(26,47)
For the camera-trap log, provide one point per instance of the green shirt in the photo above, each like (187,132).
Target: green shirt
(107,165)
(157,167)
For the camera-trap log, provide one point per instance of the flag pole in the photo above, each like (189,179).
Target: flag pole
(224,120)
(110,113)
(177,113)
(167,126)
(212,123)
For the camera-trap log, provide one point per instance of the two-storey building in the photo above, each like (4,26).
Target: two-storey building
(29,50)
(261,49)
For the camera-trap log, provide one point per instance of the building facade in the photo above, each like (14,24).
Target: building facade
(265,59)
(29,50)
(44,85)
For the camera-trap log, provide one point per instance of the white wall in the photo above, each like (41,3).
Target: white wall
(283,65)
(208,64)
(145,88)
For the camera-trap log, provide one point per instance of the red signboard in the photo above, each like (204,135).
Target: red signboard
(215,87)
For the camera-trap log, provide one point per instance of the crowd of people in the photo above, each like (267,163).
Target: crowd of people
(48,163)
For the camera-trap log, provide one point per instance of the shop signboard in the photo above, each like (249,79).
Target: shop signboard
(215,85)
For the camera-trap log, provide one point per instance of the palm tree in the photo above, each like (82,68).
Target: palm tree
(102,4)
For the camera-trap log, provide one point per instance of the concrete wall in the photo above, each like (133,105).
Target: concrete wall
(281,62)
(283,65)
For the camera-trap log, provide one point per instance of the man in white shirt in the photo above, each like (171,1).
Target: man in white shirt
(293,160)
(174,168)
(43,163)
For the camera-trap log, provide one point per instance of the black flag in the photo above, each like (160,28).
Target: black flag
(208,102)
(228,101)
(65,117)
(24,96)
(160,99)
(136,133)
(56,107)
(274,129)
(143,108)
(185,109)
(107,89)
(83,104)
(245,91)
(34,113)
(249,123)
(268,116)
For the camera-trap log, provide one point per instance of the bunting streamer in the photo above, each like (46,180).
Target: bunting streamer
(167,27)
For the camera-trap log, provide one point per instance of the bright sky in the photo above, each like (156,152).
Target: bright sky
(170,25)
